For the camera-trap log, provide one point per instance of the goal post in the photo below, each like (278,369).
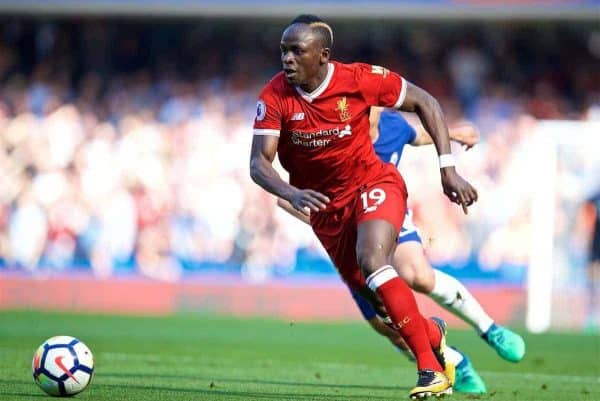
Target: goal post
(554,143)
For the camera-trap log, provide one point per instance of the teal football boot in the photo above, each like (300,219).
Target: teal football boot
(508,344)
(467,378)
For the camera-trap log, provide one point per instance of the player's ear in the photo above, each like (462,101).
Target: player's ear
(325,53)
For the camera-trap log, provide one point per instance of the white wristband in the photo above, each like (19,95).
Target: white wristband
(447,160)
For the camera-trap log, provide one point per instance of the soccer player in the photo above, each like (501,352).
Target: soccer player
(315,115)
(390,132)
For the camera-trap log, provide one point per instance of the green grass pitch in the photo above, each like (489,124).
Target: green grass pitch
(188,357)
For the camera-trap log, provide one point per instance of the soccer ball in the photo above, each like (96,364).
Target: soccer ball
(63,366)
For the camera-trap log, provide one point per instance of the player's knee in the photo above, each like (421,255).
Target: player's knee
(406,271)
(423,279)
(414,268)
(371,257)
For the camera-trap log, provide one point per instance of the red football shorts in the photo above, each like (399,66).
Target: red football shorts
(383,198)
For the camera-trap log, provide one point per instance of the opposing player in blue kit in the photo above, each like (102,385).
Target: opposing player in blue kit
(390,132)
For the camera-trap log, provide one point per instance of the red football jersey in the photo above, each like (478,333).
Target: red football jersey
(324,140)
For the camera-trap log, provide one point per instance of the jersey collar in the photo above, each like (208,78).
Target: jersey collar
(310,97)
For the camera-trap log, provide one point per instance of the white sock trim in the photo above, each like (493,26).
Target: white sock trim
(381,276)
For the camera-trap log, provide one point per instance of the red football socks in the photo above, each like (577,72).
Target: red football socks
(402,308)
(433,332)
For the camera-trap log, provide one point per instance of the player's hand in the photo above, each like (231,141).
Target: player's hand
(466,134)
(307,200)
(457,189)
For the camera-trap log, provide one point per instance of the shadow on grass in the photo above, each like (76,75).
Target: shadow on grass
(246,395)
(251,381)
(4,392)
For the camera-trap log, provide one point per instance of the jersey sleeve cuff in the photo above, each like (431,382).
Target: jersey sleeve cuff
(271,132)
(402,95)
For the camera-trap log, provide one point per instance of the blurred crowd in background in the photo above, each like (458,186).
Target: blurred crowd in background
(124,145)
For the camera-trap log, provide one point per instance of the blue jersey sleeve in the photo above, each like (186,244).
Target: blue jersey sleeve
(405,131)
(394,133)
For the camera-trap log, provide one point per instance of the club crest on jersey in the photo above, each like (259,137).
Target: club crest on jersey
(342,108)
(261,110)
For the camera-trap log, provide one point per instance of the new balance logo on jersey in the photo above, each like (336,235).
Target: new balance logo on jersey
(376,69)
(297,117)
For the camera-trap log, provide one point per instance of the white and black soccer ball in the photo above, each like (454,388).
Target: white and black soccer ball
(63,366)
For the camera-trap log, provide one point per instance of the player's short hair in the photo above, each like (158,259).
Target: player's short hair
(318,25)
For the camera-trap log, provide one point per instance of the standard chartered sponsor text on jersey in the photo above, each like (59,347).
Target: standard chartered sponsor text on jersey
(314,139)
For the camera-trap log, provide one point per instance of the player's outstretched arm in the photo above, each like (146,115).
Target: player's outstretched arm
(464,133)
(287,206)
(264,149)
(430,113)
